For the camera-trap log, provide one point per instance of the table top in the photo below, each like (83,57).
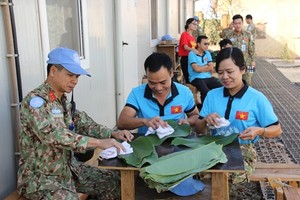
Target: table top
(167,45)
(233,152)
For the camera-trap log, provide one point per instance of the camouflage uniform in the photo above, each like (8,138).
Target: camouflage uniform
(251,28)
(244,41)
(237,179)
(197,32)
(250,158)
(47,166)
(225,32)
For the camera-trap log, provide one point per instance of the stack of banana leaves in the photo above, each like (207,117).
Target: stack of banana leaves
(165,172)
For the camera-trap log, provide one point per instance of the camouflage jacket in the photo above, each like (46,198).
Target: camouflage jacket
(225,32)
(244,42)
(251,28)
(197,33)
(47,142)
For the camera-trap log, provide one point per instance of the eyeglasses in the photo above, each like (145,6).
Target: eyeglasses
(195,24)
(206,44)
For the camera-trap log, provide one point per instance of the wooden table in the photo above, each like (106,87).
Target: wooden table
(220,190)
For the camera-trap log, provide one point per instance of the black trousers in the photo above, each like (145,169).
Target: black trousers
(206,84)
(184,68)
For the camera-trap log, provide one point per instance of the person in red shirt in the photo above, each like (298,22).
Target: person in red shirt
(187,43)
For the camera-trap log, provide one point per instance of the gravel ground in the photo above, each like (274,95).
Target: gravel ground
(246,191)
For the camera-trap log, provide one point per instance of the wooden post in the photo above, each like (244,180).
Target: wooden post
(220,189)
(127,185)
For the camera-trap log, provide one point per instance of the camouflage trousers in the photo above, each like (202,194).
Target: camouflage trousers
(248,77)
(100,184)
(249,157)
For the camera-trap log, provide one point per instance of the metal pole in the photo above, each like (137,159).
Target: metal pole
(12,69)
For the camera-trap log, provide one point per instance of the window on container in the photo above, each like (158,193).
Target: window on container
(154,34)
(64,19)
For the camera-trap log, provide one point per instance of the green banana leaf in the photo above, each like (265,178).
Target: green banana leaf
(143,151)
(194,142)
(188,160)
(171,169)
(144,146)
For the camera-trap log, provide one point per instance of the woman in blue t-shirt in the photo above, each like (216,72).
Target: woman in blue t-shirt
(247,109)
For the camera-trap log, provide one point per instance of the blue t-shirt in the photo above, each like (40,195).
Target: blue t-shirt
(201,61)
(179,102)
(249,108)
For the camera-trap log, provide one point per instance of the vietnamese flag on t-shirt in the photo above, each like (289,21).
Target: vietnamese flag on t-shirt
(241,115)
(176,109)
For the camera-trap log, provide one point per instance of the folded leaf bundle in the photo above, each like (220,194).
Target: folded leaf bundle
(170,170)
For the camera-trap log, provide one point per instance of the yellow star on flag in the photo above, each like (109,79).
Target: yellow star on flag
(242,116)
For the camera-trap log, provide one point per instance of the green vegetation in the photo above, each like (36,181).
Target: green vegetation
(212,30)
(286,53)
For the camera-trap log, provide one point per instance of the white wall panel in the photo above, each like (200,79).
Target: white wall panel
(143,35)
(7,166)
(96,94)
(32,64)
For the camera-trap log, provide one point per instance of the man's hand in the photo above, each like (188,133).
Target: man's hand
(110,142)
(105,143)
(124,135)
(183,121)
(155,122)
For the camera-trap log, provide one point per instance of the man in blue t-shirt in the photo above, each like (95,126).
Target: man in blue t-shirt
(201,67)
(149,104)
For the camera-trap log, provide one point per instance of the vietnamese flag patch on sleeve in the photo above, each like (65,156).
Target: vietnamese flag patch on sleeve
(241,115)
(176,109)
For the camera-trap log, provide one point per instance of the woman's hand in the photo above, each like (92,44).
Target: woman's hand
(211,119)
(251,132)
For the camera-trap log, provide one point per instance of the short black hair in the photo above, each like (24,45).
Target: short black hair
(249,17)
(200,38)
(224,42)
(236,56)
(156,61)
(238,16)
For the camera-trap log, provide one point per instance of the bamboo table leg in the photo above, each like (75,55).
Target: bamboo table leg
(220,190)
(127,185)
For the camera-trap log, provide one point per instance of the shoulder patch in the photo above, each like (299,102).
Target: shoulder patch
(36,102)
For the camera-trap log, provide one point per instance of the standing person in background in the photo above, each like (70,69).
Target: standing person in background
(187,43)
(52,130)
(251,26)
(244,41)
(198,30)
(227,30)
(201,68)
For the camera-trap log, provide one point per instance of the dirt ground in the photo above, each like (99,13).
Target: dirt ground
(292,73)
(290,69)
